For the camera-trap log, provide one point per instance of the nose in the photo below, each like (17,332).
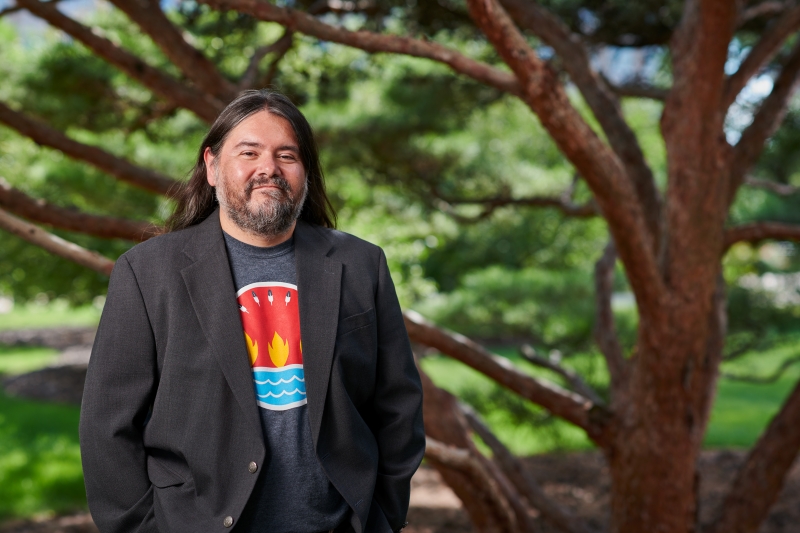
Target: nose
(267,165)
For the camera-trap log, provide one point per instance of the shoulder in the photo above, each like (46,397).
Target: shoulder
(161,251)
(346,244)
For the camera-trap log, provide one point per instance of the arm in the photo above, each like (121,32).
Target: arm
(120,385)
(397,405)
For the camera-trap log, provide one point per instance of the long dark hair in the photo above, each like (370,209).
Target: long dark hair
(196,200)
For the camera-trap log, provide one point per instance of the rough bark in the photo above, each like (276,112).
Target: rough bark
(652,459)
(696,148)
(602,102)
(37,210)
(759,481)
(559,401)
(44,135)
(201,104)
(54,244)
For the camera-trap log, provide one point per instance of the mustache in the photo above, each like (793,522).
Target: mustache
(277,181)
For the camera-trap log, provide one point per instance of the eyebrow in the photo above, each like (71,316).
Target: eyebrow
(256,144)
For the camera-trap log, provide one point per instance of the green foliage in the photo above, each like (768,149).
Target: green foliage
(84,95)
(40,464)
(553,309)
(406,145)
(525,428)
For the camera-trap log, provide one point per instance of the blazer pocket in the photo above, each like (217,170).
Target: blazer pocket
(160,475)
(354,322)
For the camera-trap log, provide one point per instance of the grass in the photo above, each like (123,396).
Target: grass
(742,410)
(19,359)
(54,314)
(40,464)
(740,413)
(40,470)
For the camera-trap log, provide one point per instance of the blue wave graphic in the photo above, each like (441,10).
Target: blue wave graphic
(279,389)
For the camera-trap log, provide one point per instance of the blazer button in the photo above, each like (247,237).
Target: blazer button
(252,467)
(228,522)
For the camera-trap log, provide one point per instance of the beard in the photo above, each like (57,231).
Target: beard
(270,216)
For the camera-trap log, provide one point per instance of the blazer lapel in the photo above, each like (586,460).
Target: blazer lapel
(318,286)
(210,285)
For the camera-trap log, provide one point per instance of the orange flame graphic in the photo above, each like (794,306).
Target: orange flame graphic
(278,350)
(252,348)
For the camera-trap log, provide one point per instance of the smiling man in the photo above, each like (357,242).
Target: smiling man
(252,369)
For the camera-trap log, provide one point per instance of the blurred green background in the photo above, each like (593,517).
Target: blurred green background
(405,146)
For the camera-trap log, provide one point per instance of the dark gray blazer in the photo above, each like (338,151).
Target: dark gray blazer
(169,421)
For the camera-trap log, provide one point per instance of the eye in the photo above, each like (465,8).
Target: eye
(287,157)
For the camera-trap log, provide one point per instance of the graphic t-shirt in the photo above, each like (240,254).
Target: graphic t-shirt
(272,334)
(292,494)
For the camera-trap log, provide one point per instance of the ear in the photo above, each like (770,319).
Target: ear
(208,158)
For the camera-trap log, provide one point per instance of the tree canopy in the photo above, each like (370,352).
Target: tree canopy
(517,174)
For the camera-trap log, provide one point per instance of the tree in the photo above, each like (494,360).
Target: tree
(670,240)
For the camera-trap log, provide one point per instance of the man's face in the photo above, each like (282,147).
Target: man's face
(259,178)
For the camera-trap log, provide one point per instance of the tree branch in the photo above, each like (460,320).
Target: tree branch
(54,244)
(692,128)
(9,10)
(766,120)
(772,378)
(562,403)
(203,105)
(483,499)
(594,161)
(491,204)
(576,383)
(602,102)
(147,14)
(761,478)
(769,8)
(772,40)
(639,90)
(372,42)
(756,232)
(43,212)
(522,480)
(279,48)
(781,189)
(44,135)
(605,334)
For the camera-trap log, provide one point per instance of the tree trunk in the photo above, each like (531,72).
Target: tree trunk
(659,430)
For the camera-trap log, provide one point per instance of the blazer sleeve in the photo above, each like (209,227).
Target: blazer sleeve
(119,389)
(397,405)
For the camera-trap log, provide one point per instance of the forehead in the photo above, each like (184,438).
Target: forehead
(262,127)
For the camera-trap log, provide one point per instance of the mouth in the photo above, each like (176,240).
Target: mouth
(272,188)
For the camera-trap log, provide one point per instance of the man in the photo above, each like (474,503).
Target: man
(251,368)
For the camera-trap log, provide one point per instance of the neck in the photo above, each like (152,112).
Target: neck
(253,239)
